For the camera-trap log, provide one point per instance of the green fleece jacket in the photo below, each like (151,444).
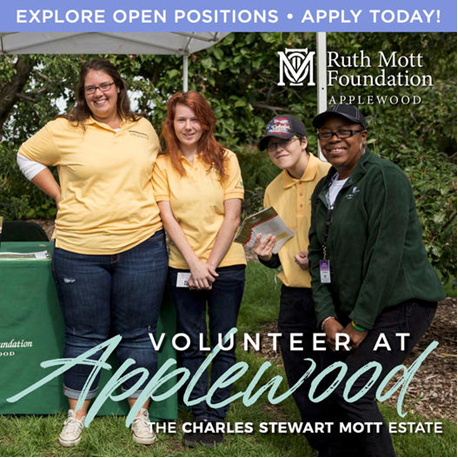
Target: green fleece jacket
(375,248)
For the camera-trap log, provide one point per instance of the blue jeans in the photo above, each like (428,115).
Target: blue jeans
(105,295)
(413,317)
(223,307)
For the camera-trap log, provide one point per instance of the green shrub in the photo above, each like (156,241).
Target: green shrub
(20,199)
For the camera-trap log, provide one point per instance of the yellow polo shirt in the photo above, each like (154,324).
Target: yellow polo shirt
(197,201)
(107,204)
(291,199)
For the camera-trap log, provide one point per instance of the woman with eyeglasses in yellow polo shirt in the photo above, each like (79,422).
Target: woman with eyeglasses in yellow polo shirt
(199,190)
(110,261)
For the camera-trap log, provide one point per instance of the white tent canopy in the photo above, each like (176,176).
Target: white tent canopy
(182,44)
(107,43)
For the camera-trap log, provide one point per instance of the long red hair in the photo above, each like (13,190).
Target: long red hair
(213,153)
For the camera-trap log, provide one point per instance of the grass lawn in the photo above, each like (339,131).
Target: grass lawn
(32,435)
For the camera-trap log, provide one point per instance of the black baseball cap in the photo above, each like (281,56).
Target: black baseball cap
(285,127)
(345,110)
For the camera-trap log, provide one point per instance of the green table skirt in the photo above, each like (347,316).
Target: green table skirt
(32,331)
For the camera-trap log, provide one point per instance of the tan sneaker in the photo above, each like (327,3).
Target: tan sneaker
(72,430)
(142,432)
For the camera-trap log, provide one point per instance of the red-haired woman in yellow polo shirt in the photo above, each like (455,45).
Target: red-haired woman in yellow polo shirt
(110,261)
(199,190)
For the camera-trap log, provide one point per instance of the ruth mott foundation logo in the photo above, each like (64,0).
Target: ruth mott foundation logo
(10,348)
(382,71)
(296,65)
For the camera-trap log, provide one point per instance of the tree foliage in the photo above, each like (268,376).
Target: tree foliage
(239,77)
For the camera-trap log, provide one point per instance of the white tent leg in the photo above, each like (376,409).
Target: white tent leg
(322,94)
(185,73)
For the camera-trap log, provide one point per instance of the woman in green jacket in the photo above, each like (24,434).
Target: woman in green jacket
(370,271)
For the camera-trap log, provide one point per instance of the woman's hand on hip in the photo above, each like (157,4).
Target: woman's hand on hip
(57,199)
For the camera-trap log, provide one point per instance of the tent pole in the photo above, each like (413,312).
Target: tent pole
(185,73)
(322,94)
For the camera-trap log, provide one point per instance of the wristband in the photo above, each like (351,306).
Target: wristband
(358,328)
(324,321)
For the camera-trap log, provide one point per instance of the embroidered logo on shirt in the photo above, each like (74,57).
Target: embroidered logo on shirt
(136,133)
(352,193)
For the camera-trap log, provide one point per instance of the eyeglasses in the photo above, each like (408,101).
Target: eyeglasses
(104,87)
(342,133)
(273,146)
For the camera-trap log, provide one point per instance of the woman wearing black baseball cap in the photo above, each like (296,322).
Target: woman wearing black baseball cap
(370,271)
(285,140)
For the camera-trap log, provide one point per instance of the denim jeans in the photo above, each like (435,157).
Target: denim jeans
(413,317)
(105,295)
(297,315)
(223,307)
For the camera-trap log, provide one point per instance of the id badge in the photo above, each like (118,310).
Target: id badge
(325,271)
(182,279)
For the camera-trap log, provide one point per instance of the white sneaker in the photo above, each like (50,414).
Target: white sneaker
(71,433)
(142,432)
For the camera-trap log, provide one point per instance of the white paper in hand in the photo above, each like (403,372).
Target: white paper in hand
(265,222)
(182,279)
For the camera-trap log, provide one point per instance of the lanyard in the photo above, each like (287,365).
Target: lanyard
(328,216)
(326,229)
